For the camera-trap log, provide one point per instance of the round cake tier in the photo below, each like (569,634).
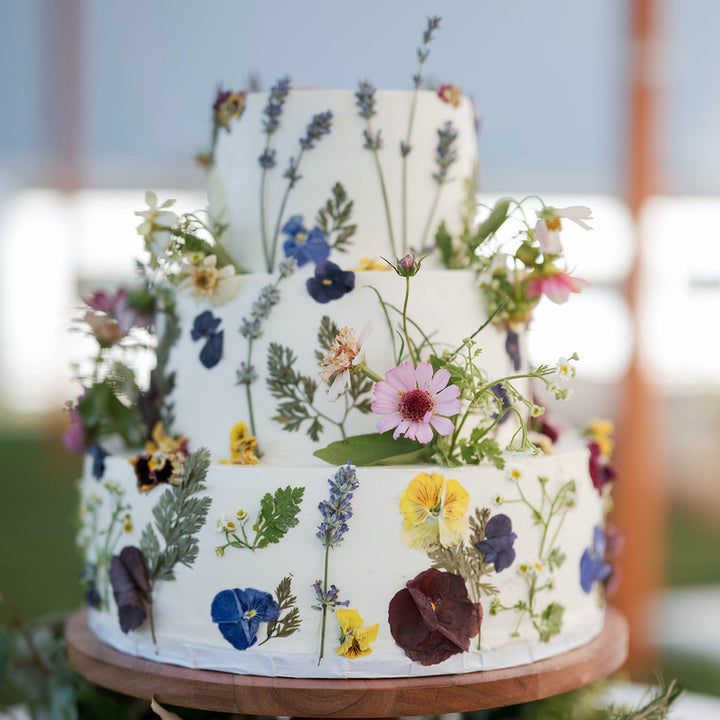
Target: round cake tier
(373,180)
(527,578)
(445,306)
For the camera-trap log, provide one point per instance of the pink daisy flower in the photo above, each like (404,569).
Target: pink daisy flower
(557,287)
(415,401)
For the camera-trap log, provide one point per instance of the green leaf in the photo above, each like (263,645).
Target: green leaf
(551,621)
(373,449)
(493,222)
(278,513)
(489,449)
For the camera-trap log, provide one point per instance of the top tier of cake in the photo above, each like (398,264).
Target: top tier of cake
(413,208)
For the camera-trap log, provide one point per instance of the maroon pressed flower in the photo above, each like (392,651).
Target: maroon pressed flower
(601,473)
(433,618)
(130,584)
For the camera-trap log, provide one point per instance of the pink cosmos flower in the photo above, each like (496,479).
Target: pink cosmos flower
(557,286)
(549,224)
(415,401)
(74,437)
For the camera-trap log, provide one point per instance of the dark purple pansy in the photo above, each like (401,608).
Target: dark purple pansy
(593,567)
(98,454)
(302,245)
(330,282)
(601,473)
(130,583)
(512,348)
(88,576)
(499,391)
(205,325)
(433,618)
(497,547)
(238,614)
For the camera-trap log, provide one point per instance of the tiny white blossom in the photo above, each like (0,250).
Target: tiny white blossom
(549,224)
(157,221)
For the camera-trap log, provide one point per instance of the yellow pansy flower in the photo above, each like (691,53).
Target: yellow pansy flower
(354,638)
(242,447)
(434,512)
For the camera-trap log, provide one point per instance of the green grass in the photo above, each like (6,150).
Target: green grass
(39,565)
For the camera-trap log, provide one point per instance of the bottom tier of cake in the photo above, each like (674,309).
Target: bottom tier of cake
(350,572)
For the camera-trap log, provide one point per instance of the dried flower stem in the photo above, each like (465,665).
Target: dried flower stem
(383,188)
(404,316)
(291,185)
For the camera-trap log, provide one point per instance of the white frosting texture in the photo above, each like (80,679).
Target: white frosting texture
(369,567)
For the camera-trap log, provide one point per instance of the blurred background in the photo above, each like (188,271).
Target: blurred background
(614,104)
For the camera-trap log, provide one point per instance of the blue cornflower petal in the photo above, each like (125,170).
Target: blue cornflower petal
(593,567)
(293,226)
(212,351)
(238,614)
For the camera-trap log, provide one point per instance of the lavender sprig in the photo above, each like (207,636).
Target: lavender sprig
(433,23)
(365,101)
(335,512)
(272,112)
(445,156)
(320,125)
(252,328)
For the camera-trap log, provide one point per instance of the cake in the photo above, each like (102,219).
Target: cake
(337,467)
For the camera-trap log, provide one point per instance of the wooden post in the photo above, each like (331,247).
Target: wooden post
(640,502)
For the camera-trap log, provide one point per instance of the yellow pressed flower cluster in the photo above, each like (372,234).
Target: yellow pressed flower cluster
(242,447)
(601,432)
(434,512)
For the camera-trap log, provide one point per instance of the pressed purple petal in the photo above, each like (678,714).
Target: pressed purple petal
(212,351)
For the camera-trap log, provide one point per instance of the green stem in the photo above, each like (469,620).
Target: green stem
(387,317)
(411,121)
(367,372)
(404,317)
(248,394)
(431,215)
(263,219)
(152,622)
(324,607)
(388,217)
(281,213)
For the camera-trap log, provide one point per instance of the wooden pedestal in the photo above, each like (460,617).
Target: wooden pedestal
(318,698)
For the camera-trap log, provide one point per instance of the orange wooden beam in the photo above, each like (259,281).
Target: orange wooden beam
(640,497)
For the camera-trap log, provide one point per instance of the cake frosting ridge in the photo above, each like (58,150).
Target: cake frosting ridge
(340,466)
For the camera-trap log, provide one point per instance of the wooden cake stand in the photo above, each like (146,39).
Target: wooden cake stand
(319,698)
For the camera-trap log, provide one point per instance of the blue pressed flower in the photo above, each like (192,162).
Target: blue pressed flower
(512,348)
(98,453)
(238,614)
(212,351)
(593,567)
(267,159)
(365,99)
(330,282)
(500,392)
(302,245)
(319,125)
(445,153)
(337,510)
(497,547)
(204,325)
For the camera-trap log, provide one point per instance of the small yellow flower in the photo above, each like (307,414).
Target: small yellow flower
(354,639)
(220,551)
(515,474)
(242,447)
(538,566)
(434,512)
(601,431)
(371,264)
(127,524)
(241,515)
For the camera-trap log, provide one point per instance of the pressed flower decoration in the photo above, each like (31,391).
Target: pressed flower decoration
(304,245)
(343,357)
(433,618)
(205,326)
(450,94)
(416,401)
(497,547)
(206,282)
(330,282)
(593,568)
(239,613)
(355,639)
(242,447)
(162,462)
(433,512)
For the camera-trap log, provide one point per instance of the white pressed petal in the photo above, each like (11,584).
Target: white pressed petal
(342,380)
(165,219)
(151,199)
(577,213)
